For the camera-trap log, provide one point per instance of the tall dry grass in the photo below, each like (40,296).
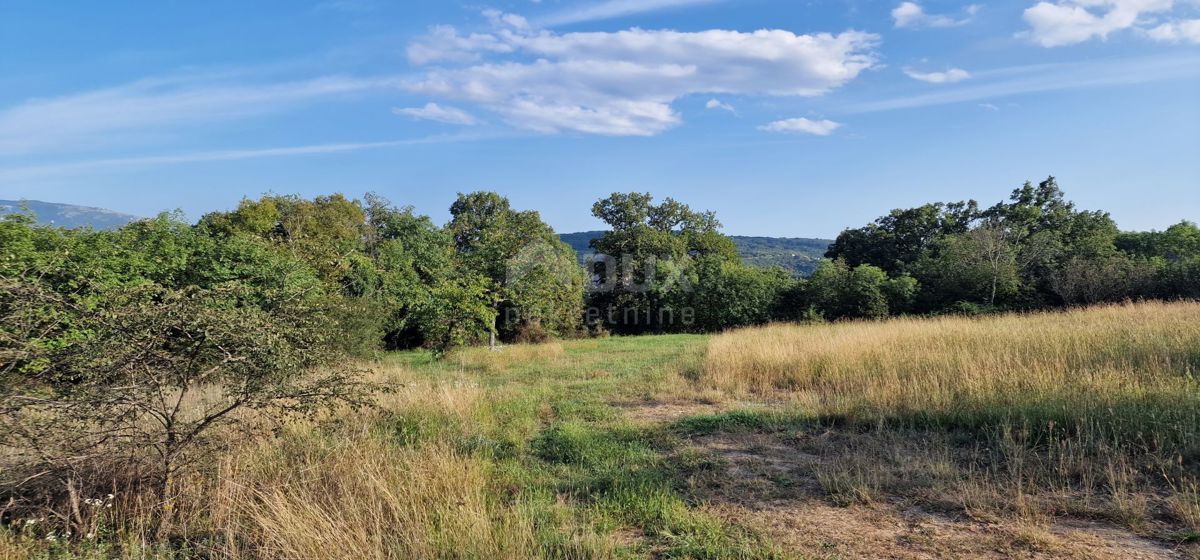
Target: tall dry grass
(353,485)
(1134,363)
(391,481)
(503,357)
(365,498)
(1098,407)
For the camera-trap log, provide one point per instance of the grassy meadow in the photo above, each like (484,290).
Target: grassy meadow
(1069,434)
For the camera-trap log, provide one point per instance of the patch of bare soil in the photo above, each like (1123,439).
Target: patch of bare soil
(816,497)
(665,412)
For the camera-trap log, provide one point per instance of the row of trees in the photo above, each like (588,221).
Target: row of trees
(1035,250)
(491,270)
(386,277)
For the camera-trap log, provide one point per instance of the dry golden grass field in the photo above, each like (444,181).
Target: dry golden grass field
(1051,435)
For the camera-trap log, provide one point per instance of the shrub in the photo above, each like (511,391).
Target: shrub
(138,381)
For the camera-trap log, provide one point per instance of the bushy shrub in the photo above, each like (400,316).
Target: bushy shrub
(143,374)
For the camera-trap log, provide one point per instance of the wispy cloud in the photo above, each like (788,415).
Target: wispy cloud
(1041,78)
(718,104)
(98,117)
(948,77)
(613,9)
(913,15)
(29,172)
(434,112)
(823,127)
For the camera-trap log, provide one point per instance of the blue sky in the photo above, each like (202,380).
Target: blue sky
(789,118)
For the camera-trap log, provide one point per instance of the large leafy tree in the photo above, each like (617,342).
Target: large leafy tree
(648,260)
(532,277)
(978,267)
(325,231)
(1048,231)
(895,241)
(727,294)
(838,291)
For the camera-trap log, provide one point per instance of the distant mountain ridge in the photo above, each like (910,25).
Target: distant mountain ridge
(800,255)
(68,215)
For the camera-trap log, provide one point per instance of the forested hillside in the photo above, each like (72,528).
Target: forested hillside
(67,215)
(798,255)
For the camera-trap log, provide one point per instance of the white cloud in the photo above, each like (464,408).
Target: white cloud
(624,82)
(989,106)
(1067,22)
(149,106)
(718,104)
(444,44)
(434,112)
(614,9)
(912,15)
(802,125)
(949,76)
(502,19)
(1179,31)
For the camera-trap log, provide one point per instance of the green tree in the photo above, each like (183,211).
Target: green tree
(979,267)
(1048,231)
(533,278)
(144,375)
(408,259)
(1179,242)
(837,291)
(459,312)
(325,231)
(649,257)
(895,241)
(729,294)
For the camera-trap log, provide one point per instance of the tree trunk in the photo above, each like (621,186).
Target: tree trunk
(76,511)
(165,510)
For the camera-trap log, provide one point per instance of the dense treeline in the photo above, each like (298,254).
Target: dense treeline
(1035,250)
(384,277)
